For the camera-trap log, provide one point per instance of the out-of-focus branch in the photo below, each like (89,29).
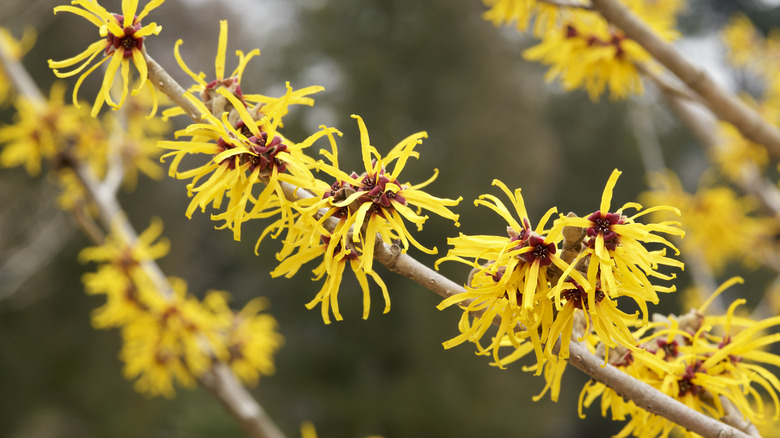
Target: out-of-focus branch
(724,104)
(220,378)
(224,385)
(47,240)
(652,158)
(19,76)
(567,4)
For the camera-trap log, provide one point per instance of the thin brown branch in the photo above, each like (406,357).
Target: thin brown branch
(642,394)
(224,385)
(724,104)
(165,83)
(568,4)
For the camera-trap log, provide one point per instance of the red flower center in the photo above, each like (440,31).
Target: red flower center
(128,42)
(686,384)
(602,224)
(539,250)
(579,298)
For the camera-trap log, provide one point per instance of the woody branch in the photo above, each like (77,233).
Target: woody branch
(642,394)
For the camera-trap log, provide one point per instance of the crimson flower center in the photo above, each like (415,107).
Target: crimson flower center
(579,298)
(539,250)
(128,42)
(686,384)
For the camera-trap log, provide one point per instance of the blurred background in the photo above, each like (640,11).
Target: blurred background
(404,66)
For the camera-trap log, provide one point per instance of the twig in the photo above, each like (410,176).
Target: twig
(568,4)
(652,158)
(48,239)
(721,102)
(223,383)
(221,380)
(115,162)
(165,83)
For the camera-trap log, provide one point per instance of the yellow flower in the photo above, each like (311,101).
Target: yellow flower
(585,51)
(38,132)
(116,252)
(376,198)
(362,210)
(122,42)
(615,244)
(165,343)
(710,217)
(588,54)
(311,243)
(544,15)
(216,102)
(170,336)
(250,337)
(153,357)
(514,280)
(697,359)
(240,156)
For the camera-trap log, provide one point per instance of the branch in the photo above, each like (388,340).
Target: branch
(720,101)
(165,83)
(568,4)
(224,385)
(220,379)
(642,394)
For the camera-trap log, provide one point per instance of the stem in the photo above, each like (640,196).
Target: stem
(224,385)
(568,4)
(720,101)
(165,83)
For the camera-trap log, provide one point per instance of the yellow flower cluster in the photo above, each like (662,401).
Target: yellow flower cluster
(542,282)
(721,227)
(705,362)
(173,338)
(581,48)
(252,171)
(65,135)
(735,153)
